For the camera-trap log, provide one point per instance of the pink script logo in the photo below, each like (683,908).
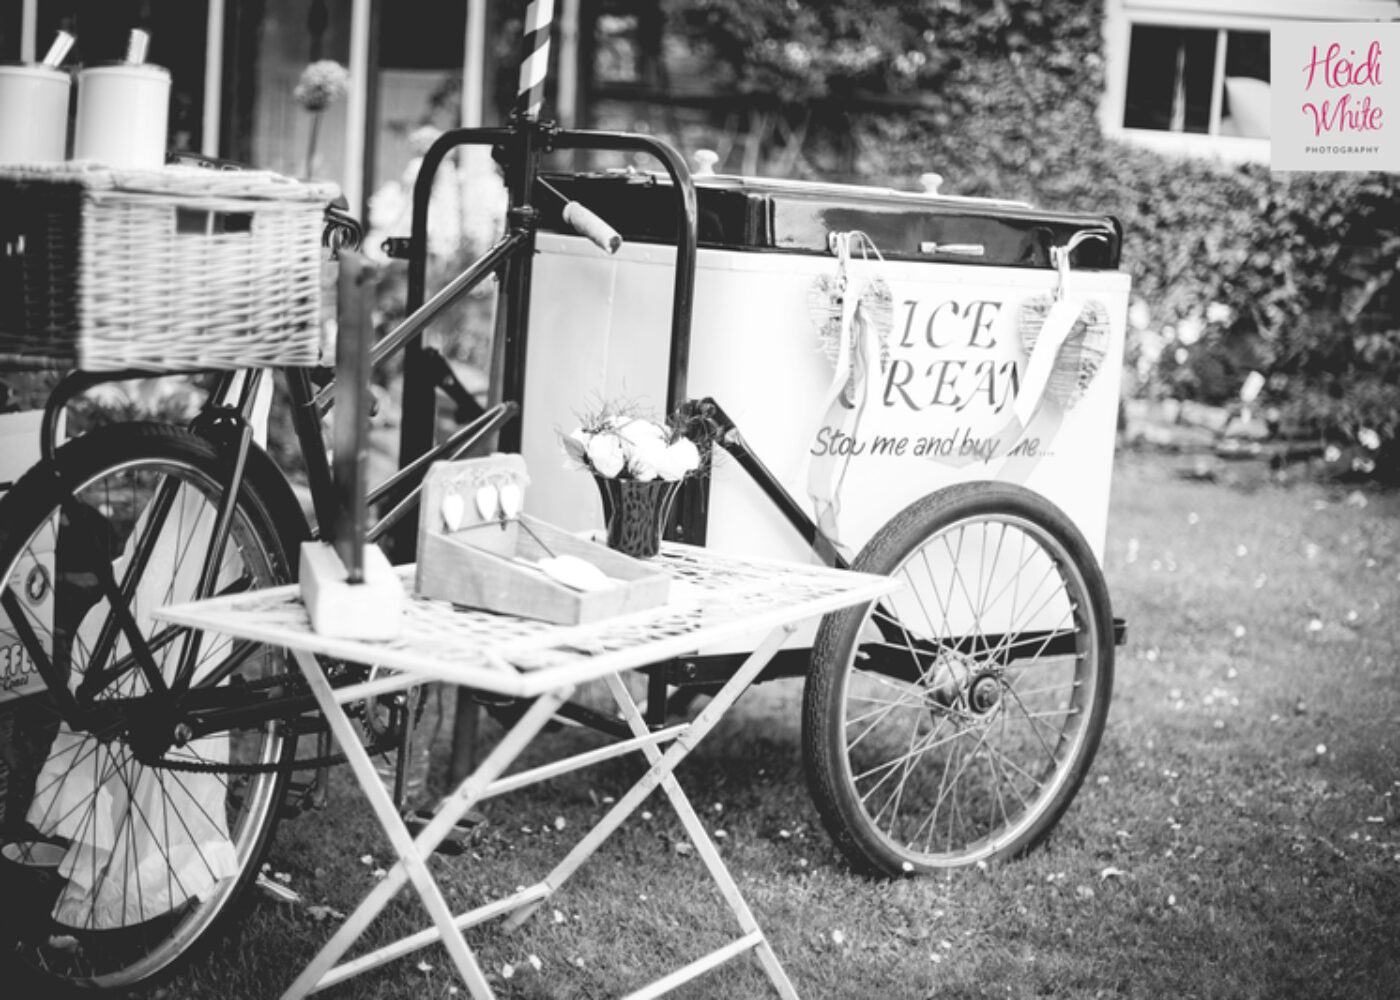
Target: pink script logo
(1340,114)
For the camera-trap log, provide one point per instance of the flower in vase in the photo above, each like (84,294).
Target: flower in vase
(616,443)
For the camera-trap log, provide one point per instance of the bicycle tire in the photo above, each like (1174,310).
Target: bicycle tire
(953,722)
(154,857)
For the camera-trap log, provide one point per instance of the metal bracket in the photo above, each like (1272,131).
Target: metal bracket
(397,247)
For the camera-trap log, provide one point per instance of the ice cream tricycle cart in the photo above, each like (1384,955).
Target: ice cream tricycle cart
(915,386)
(909,384)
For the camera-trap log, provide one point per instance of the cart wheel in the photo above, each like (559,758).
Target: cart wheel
(157,837)
(952,722)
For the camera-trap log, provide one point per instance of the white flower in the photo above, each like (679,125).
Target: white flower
(321,85)
(639,431)
(1368,438)
(1219,312)
(606,454)
(576,449)
(645,458)
(614,443)
(645,443)
(678,458)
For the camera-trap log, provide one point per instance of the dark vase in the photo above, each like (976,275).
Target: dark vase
(636,511)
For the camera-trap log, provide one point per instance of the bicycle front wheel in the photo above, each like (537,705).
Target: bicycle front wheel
(149,835)
(953,721)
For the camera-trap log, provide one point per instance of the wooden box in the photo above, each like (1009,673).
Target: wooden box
(477,548)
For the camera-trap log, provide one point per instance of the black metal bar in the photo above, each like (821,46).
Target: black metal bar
(479,426)
(528,141)
(686,239)
(446,381)
(232,438)
(95,679)
(690,513)
(306,421)
(419,411)
(406,333)
(454,447)
(733,442)
(716,668)
(81,516)
(254,711)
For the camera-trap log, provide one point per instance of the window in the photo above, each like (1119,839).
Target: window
(617,53)
(1198,80)
(1191,77)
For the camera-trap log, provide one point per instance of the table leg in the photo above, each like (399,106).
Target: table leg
(660,773)
(705,847)
(412,852)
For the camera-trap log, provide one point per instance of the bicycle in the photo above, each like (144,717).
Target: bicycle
(133,516)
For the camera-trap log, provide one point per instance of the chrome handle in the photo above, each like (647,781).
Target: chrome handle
(960,249)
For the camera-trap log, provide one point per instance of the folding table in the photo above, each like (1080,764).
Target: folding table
(715,598)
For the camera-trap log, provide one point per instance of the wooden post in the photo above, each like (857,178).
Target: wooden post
(348,586)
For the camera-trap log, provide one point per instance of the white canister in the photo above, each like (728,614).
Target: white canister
(123,113)
(33,114)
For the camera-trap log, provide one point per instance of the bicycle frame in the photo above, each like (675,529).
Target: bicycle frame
(226,419)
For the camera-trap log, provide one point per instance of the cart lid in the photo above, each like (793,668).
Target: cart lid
(785,216)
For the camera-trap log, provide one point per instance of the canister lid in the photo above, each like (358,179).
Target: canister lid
(119,68)
(33,69)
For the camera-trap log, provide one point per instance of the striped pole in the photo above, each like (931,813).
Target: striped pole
(539,18)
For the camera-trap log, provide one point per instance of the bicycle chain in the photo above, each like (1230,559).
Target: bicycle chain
(376,742)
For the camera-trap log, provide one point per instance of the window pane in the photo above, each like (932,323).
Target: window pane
(1245,110)
(616,52)
(422,34)
(1170,74)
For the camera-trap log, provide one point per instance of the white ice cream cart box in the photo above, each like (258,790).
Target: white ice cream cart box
(873,346)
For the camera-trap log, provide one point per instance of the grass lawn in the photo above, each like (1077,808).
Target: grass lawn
(1238,836)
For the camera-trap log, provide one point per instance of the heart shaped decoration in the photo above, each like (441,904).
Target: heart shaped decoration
(1081,355)
(877,310)
(452,509)
(824,305)
(512,500)
(488,502)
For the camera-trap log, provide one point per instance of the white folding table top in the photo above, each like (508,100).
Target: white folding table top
(714,597)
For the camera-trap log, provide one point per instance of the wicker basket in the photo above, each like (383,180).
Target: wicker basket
(165,270)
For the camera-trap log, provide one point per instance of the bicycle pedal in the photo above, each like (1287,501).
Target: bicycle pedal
(300,797)
(455,842)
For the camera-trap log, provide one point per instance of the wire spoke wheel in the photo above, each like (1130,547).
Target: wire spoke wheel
(954,721)
(155,831)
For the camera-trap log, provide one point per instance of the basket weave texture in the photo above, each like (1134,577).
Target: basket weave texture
(165,270)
